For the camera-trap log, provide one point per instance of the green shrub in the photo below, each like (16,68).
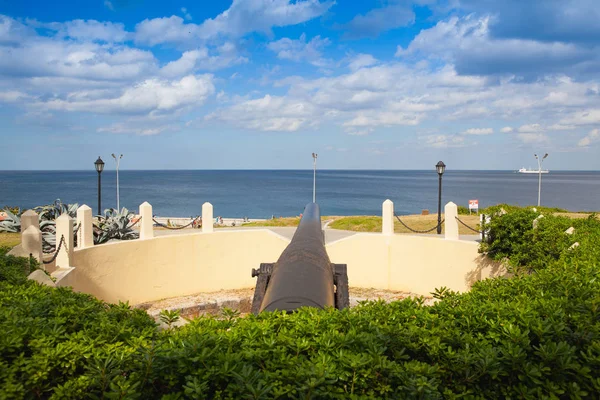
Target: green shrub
(509,207)
(14,269)
(531,336)
(512,236)
(462,210)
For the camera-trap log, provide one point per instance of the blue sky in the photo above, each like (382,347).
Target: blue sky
(252,84)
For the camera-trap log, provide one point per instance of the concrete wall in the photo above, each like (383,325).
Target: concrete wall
(169,266)
(144,270)
(415,264)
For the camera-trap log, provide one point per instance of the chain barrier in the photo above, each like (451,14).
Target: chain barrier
(178,227)
(474,230)
(45,242)
(134,223)
(62,241)
(417,231)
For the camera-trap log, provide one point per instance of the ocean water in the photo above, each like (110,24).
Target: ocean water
(263,193)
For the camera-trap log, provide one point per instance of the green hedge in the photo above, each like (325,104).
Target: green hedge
(513,236)
(530,336)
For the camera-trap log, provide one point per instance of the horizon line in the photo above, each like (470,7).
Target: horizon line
(280,169)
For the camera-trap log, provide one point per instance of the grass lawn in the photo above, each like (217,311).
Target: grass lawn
(373,223)
(9,239)
(417,222)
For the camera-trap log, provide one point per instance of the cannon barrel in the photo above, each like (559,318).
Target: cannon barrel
(303,275)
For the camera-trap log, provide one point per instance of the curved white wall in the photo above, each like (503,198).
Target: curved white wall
(169,266)
(144,270)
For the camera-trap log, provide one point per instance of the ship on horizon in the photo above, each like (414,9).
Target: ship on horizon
(532,171)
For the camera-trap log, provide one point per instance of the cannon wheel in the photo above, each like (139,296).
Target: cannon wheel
(263,274)
(340,279)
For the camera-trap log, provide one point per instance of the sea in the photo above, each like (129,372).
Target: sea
(268,193)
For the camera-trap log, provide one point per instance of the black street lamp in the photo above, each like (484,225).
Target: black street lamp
(440,168)
(99,164)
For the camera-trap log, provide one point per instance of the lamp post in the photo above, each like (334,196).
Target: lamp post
(314,155)
(117,160)
(540,161)
(440,167)
(99,164)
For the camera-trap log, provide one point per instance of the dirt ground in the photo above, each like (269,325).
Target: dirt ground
(241,300)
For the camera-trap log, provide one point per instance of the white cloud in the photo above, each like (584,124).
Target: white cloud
(395,94)
(586,117)
(444,141)
(530,128)
(300,50)
(532,137)
(379,20)
(361,60)
(242,17)
(121,128)
(478,131)
(108,4)
(150,96)
(200,59)
(351,130)
(165,30)
(92,30)
(560,127)
(13,96)
(506,129)
(185,64)
(270,113)
(30,55)
(592,137)
(186,14)
(466,43)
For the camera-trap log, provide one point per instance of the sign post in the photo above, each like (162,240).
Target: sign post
(473,205)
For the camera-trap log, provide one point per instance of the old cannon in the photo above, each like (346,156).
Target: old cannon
(303,276)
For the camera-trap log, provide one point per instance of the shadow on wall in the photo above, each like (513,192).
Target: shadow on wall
(486,268)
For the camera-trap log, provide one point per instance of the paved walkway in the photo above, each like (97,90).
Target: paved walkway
(331,235)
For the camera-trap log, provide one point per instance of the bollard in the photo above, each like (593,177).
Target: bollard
(32,242)
(85,236)
(29,218)
(64,227)
(146,230)
(451,224)
(387,216)
(207,217)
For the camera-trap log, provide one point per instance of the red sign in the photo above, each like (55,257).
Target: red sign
(473,204)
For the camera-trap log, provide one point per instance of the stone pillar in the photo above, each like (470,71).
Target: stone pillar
(29,218)
(64,227)
(451,224)
(31,242)
(387,216)
(207,217)
(85,236)
(146,230)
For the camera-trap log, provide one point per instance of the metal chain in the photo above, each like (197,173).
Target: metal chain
(176,228)
(474,230)
(62,240)
(416,231)
(44,241)
(134,223)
